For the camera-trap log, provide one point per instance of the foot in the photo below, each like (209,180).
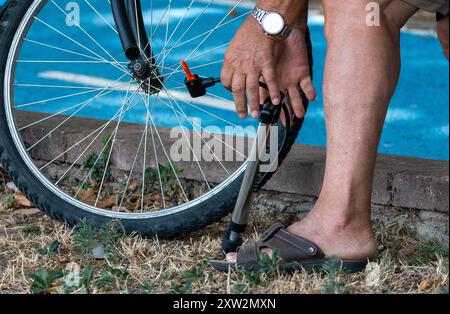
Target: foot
(350,241)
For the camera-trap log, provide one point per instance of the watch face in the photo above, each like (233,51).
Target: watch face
(273,23)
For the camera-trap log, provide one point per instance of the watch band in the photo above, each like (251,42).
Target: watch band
(259,15)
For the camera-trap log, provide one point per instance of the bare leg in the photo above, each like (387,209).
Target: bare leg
(361,74)
(443,31)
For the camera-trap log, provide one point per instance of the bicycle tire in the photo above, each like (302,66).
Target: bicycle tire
(195,217)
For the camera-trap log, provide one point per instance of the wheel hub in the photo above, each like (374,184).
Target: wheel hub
(146,75)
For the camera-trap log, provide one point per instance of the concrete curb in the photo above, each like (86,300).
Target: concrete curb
(401,182)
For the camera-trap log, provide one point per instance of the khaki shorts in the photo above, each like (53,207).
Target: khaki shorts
(434,6)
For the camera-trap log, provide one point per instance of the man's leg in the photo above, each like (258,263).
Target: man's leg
(362,70)
(443,32)
(361,74)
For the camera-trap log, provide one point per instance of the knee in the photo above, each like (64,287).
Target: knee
(340,15)
(365,16)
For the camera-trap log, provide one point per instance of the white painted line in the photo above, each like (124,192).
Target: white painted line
(100,82)
(246,4)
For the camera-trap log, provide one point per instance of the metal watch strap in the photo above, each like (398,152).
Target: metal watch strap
(259,15)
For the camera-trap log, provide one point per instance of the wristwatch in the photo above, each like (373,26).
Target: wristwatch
(272,23)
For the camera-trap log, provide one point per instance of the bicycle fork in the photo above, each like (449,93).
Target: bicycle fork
(136,46)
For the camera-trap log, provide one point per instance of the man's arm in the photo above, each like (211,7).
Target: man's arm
(251,56)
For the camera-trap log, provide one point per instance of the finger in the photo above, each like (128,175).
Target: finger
(226,77)
(296,101)
(252,86)
(238,90)
(263,93)
(308,88)
(274,91)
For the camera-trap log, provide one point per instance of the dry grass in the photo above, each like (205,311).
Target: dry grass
(30,241)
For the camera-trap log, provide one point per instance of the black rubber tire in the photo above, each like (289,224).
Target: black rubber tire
(169,226)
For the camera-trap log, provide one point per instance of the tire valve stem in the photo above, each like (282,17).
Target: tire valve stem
(195,84)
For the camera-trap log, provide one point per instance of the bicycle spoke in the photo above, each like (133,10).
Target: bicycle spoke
(119,120)
(149,112)
(166,36)
(129,106)
(89,35)
(207,33)
(215,116)
(213,30)
(61,112)
(167,157)
(101,16)
(144,164)
(207,52)
(193,123)
(193,23)
(165,153)
(177,26)
(160,22)
(196,159)
(76,42)
(64,61)
(59,49)
(86,103)
(194,126)
(86,149)
(72,52)
(55,86)
(101,129)
(132,170)
(211,114)
(56,98)
(178,70)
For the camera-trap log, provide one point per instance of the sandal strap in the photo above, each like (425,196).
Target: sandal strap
(291,248)
(248,255)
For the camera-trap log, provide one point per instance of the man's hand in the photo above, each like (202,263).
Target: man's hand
(443,32)
(250,56)
(292,71)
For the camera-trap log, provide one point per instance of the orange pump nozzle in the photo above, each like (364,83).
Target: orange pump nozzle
(195,84)
(187,70)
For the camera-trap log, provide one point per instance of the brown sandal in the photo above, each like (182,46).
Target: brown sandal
(295,252)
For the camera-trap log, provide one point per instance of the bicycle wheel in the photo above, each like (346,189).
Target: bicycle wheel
(82,140)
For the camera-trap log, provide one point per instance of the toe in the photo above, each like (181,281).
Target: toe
(231,257)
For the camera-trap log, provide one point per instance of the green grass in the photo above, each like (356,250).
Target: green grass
(427,253)
(44,280)
(86,238)
(166,174)
(333,284)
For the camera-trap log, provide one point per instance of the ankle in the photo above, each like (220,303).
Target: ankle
(347,201)
(341,217)
(345,238)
